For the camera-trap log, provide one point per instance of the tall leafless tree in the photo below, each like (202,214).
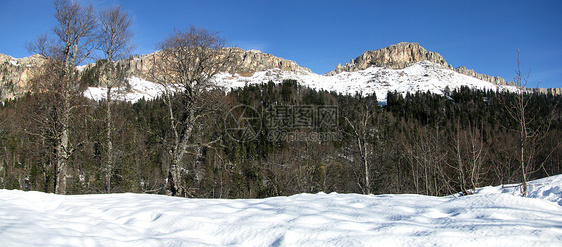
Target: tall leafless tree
(364,134)
(360,132)
(115,43)
(530,137)
(185,66)
(74,40)
(423,150)
(470,152)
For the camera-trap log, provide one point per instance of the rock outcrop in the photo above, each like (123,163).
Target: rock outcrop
(553,91)
(15,74)
(253,61)
(404,54)
(396,56)
(493,79)
(249,62)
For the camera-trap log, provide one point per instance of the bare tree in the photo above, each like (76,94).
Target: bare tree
(363,131)
(187,62)
(361,134)
(530,131)
(426,157)
(470,153)
(115,43)
(73,43)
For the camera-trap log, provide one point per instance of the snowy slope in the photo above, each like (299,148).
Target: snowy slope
(494,216)
(139,88)
(422,76)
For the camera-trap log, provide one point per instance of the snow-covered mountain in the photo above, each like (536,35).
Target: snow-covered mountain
(403,67)
(493,216)
(420,76)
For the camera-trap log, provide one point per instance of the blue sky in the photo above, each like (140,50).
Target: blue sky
(480,35)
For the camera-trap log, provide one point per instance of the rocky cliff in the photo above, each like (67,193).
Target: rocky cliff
(249,62)
(493,79)
(396,56)
(15,74)
(253,61)
(553,91)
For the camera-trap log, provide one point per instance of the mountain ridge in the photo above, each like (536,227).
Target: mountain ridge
(249,62)
(15,72)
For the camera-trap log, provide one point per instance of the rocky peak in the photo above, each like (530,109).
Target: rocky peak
(396,56)
(404,54)
(249,62)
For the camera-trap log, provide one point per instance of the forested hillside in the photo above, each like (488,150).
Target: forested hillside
(301,140)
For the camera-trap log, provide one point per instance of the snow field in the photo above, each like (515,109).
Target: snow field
(139,88)
(494,216)
(422,76)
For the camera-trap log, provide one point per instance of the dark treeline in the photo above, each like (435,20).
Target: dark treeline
(307,141)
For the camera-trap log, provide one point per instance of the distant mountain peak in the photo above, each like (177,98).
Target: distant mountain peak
(397,56)
(404,54)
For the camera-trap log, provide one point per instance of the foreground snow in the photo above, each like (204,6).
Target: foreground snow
(494,216)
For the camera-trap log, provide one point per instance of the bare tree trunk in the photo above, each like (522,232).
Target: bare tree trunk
(478,154)
(63,147)
(366,164)
(115,37)
(109,165)
(522,143)
(460,164)
(520,111)
(361,136)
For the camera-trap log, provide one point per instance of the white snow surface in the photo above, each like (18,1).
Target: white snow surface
(493,216)
(422,76)
(139,88)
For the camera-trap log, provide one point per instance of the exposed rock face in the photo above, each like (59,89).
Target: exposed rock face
(15,74)
(493,79)
(249,62)
(396,56)
(139,66)
(254,61)
(553,91)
